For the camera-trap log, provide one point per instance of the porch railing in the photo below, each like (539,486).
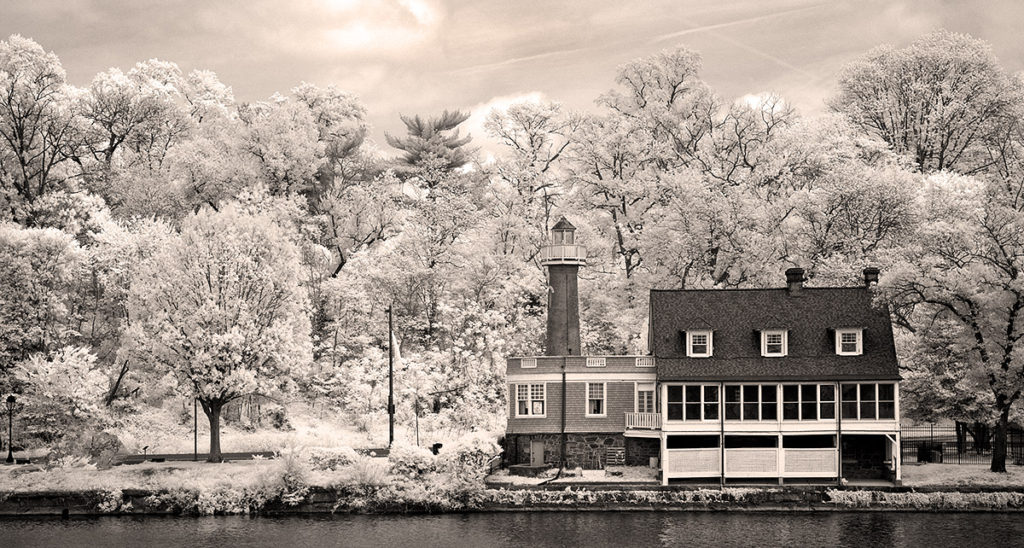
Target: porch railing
(643,421)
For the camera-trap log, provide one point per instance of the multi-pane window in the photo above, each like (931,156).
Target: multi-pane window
(750,402)
(692,403)
(595,399)
(827,401)
(530,400)
(808,402)
(774,343)
(849,342)
(869,401)
(698,344)
(645,400)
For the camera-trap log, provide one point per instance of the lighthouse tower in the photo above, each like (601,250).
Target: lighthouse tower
(563,259)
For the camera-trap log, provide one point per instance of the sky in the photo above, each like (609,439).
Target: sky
(424,56)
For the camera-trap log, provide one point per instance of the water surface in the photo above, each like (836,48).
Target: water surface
(528,529)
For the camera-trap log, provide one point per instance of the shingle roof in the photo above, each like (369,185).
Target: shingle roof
(737,316)
(563,224)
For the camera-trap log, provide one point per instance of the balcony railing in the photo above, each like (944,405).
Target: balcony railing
(563,252)
(643,421)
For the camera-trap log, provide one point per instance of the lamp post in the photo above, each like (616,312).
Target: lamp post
(391,379)
(10,428)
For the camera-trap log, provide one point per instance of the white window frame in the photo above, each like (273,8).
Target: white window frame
(604,400)
(596,362)
(839,341)
(528,363)
(665,403)
(877,401)
(645,387)
(760,402)
(530,399)
(764,343)
(689,344)
(800,403)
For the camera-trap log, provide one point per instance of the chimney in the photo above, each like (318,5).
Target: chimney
(563,259)
(871,276)
(794,280)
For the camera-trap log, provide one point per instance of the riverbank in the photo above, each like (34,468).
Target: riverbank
(399,500)
(421,483)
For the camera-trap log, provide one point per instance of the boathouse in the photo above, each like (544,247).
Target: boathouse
(791,383)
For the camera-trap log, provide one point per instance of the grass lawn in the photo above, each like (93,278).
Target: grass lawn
(155,476)
(961,475)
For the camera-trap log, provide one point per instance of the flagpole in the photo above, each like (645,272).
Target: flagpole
(391,380)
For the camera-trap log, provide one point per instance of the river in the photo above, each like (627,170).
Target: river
(530,529)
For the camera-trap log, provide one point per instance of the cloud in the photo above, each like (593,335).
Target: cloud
(356,28)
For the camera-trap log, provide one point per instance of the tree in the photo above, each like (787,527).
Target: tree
(38,126)
(40,270)
(63,392)
(937,100)
(962,270)
(527,182)
(223,308)
(432,146)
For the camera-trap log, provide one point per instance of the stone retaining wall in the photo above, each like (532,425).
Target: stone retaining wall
(391,500)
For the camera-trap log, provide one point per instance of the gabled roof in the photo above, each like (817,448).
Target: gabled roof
(811,315)
(563,224)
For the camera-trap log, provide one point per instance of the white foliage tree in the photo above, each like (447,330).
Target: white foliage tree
(223,308)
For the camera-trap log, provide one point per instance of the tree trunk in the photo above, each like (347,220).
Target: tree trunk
(999,445)
(212,410)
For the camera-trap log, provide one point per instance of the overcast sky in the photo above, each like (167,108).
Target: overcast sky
(421,56)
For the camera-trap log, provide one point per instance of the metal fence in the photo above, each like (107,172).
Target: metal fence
(964,444)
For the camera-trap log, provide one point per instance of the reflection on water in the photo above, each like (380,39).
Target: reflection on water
(532,529)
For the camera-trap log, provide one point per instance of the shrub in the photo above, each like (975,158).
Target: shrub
(411,461)
(278,417)
(367,471)
(332,458)
(468,459)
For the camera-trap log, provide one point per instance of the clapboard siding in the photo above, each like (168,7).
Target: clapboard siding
(618,401)
(576,364)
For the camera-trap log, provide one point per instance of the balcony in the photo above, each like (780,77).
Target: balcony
(643,421)
(563,254)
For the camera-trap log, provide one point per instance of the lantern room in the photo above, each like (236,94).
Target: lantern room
(563,248)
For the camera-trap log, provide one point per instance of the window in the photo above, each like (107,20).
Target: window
(528,363)
(530,400)
(692,442)
(645,361)
(808,402)
(692,403)
(595,362)
(595,399)
(827,401)
(698,344)
(848,342)
(869,401)
(774,342)
(645,398)
(750,402)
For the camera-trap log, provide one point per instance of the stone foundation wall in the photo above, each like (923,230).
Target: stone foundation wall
(640,450)
(587,451)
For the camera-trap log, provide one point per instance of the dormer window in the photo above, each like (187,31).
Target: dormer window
(849,342)
(774,342)
(698,344)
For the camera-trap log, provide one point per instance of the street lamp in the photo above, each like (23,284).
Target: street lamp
(10,428)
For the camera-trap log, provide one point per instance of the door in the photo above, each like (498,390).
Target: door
(536,453)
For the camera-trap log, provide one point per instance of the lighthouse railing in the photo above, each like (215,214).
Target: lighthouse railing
(561,252)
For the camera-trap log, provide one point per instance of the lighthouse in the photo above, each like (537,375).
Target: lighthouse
(563,259)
